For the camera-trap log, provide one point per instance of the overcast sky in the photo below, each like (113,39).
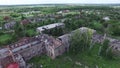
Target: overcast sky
(13,2)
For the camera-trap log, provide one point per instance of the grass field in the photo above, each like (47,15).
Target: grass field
(5,13)
(83,60)
(5,38)
(31,32)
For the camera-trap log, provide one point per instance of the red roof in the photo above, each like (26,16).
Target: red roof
(25,21)
(13,65)
(6,18)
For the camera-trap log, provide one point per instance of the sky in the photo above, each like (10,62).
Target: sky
(16,2)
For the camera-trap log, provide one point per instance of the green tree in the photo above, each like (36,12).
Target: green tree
(19,31)
(114,28)
(80,41)
(97,26)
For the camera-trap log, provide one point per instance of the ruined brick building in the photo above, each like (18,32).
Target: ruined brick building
(27,48)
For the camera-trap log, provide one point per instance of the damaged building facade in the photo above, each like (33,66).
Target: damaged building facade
(27,48)
(114,44)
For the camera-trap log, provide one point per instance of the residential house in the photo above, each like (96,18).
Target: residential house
(106,18)
(63,11)
(25,22)
(9,25)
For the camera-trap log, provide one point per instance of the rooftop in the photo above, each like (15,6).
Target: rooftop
(84,29)
(4,52)
(13,65)
(29,41)
(42,28)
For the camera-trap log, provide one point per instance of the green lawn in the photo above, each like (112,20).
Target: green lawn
(31,32)
(5,38)
(91,60)
(5,13)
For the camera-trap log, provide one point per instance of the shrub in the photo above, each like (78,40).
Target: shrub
(106,51)
(97,26)
(80,42)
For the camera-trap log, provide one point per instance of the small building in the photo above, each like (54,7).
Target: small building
(25,22)
(35,19)
(63,11)
(9,25)
(60,12)
(106,18)
(50,26)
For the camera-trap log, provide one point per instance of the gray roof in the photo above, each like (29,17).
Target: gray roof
(50,26)
(23,46)
(4,52)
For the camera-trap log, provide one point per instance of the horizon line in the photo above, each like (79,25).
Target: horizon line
(61,3)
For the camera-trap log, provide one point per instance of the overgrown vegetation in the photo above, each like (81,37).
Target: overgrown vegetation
(57,31)
(106,50)
(80,56)
(80,41)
